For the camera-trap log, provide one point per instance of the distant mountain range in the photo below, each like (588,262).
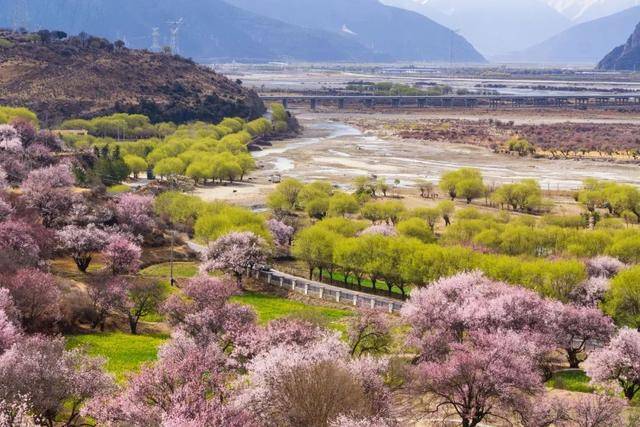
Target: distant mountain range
(391,31)
(624,57)
(584,43)
(215,30)
(494,27)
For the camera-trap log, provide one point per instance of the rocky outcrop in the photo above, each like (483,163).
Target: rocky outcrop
(625,57)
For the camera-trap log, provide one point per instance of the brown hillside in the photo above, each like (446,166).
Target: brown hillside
(87,76)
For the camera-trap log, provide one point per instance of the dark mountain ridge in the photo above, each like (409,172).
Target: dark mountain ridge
(624,57)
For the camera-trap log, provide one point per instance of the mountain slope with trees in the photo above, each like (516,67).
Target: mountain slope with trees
(583,43)
(85,76)
(213,30)
(397,33)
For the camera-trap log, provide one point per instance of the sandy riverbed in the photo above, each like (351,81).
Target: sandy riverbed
(339,152)
(329,149)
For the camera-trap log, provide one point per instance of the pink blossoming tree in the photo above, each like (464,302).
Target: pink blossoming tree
(107,297)
(235,253)
(604,266)
(54,381)
(577,326)
(188,386)
(207,316)
(380,230)
(617,364)
(135,213)
(18,246)
(281,232)
(48,190)
(37,297)
(485,377)
(9,138)
(122,255)
(449,309)
(82,242)
(591,292)
(314,383)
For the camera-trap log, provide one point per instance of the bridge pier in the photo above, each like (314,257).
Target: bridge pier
(395,102)
(341,103)
(285,102)
(422,102)
(313,103)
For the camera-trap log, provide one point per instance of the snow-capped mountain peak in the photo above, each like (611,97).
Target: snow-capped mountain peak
(586,10)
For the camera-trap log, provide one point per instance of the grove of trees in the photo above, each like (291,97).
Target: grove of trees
(497,305)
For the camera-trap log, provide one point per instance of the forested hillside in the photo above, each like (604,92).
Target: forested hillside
(61,77)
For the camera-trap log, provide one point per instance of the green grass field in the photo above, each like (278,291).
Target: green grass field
(181,270)
(118,189)
(576,381)
(124,352)
(269,307)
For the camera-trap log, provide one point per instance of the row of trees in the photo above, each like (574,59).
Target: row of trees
(200,151)
(10,114)
(120,126)
(400,258)
(620,200)
(468,184)
(208,220)
(552,235)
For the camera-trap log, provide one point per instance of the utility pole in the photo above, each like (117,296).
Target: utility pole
(174,28)
(20,15)
(155,37)
(454,33)
(172,279)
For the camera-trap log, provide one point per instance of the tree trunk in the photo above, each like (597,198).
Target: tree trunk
(82,262)
(133,324)
(574,362)
(629,392)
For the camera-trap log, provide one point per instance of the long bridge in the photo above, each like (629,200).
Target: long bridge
(458,101)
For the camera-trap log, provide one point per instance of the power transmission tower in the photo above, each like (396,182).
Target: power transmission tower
(155,37)
(20,15)
(174,28)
